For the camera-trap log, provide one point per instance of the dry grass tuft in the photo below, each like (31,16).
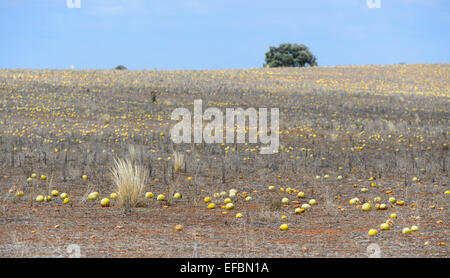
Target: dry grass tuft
(273,202)
(178,162)
(132,151)
(130,179)
(90,188)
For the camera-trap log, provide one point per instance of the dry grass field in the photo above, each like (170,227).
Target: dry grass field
(345,132)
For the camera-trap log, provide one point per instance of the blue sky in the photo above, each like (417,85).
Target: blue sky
(218,34)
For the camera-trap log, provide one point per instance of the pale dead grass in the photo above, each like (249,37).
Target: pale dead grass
(130,179)
(178,162)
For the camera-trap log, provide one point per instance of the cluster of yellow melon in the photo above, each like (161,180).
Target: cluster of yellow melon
(285,201)
(367,206)
(300,195)
(148,195)
(105,202)
(162,197)
(227,201)
(387,226)
(407,230)
(298,210)
(381,206)
(40,198)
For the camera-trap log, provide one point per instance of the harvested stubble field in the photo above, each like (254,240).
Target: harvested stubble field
(342,129)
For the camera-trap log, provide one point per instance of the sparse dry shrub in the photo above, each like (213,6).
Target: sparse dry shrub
(267,216)
(178,162)
(90,188)
(171,188)
(132,150)
(130,179)
(273,202)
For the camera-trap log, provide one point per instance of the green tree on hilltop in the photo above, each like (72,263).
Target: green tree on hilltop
(290,55)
